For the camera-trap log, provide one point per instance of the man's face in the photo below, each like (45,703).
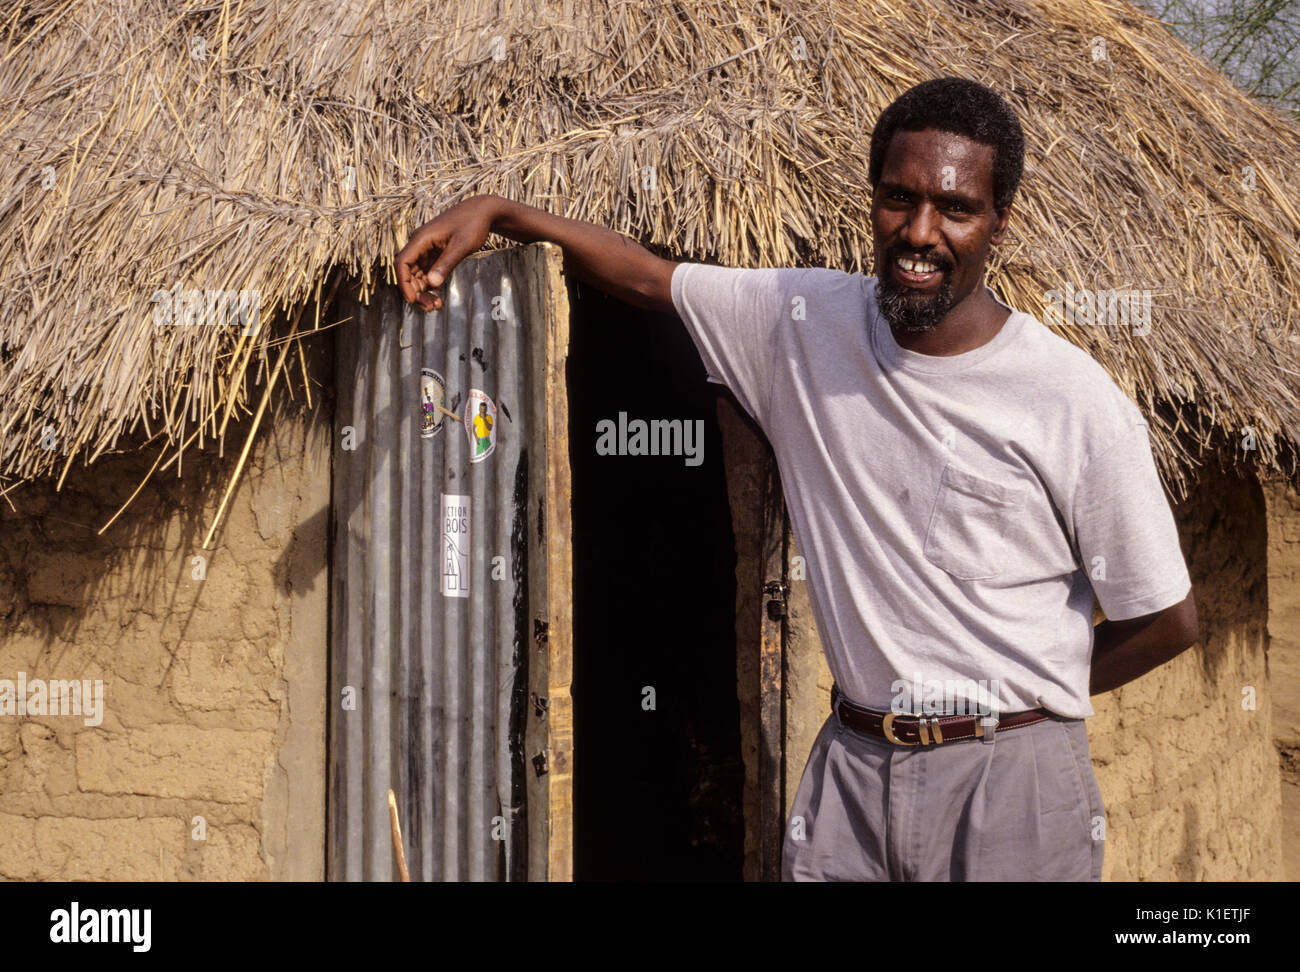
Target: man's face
(933,222)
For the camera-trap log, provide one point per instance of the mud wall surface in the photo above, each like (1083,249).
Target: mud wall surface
(206,759)
(1283,503)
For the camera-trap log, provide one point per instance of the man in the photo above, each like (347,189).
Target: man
(961,482)
(482,429)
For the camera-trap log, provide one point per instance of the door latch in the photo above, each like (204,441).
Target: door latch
(776,593)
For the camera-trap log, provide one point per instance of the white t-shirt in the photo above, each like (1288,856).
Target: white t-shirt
(956,513)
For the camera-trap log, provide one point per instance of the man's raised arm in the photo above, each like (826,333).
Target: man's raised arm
(601,257)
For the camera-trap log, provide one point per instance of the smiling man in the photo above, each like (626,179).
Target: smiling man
(962,484)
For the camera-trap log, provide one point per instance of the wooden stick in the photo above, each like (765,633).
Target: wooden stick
(248,442)
(261,409)
(397,837)
(111,519)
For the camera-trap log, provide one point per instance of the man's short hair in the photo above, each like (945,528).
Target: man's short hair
(962,107)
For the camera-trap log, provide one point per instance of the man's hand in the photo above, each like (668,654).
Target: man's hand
(435,248)
(1125,650)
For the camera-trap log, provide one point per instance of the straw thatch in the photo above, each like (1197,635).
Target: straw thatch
(207,144)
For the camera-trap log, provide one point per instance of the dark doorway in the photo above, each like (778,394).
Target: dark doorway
(657,792)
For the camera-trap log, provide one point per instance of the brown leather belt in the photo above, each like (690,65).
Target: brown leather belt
(911,730)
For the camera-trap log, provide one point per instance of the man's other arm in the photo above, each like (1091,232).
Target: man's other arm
(1125,650)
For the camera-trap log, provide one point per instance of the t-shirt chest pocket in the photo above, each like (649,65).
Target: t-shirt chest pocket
(969,526)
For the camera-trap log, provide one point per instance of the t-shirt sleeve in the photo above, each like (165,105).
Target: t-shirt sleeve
(732,314)
(1127,538)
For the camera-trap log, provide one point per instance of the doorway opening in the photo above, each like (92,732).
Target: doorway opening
(658,770)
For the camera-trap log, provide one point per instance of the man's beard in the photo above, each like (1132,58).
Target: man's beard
(908,310)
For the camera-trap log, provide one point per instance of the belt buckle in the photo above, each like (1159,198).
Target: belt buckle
(929,733)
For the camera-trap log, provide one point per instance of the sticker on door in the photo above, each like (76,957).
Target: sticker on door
(480,425)
(433,391)
(455,545)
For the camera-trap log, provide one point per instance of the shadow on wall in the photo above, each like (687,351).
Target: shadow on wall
(1225,540)
(59,578)
(1224,530)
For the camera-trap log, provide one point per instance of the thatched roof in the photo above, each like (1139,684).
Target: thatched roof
(206,144)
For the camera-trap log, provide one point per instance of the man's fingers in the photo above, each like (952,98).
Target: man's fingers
(410,276)
(414,281)
(455,251)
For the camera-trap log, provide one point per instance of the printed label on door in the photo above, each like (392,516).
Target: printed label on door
(455,545)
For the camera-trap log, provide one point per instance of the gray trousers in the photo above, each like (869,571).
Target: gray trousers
(1024,807)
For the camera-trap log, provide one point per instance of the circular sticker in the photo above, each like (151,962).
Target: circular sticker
(480,425)
(433,391)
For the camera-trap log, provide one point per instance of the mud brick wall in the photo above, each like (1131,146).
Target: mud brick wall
(214,688)
(1283,502)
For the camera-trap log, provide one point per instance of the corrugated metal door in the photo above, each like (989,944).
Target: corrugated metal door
(451,626)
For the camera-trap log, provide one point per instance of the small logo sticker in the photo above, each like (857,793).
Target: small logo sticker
(455,545)
(480,425)
(433,391)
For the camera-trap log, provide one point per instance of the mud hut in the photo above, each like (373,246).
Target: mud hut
(201,205)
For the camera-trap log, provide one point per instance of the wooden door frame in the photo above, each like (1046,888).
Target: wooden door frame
(548,738)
